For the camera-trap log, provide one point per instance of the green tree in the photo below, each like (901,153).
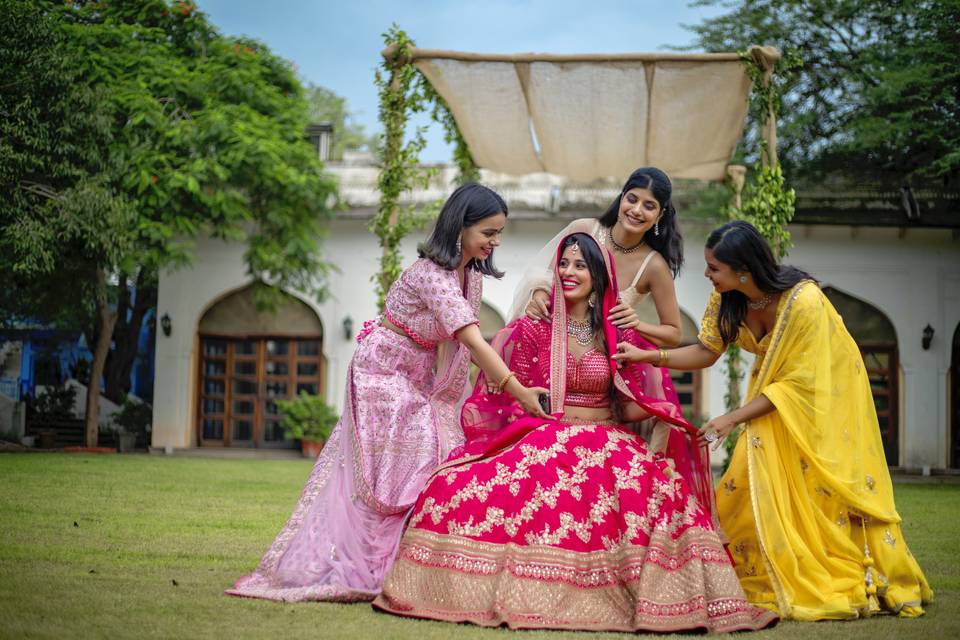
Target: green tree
(348,134)
(186,133)
(879,89)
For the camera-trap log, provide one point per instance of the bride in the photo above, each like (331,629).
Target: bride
(572,523)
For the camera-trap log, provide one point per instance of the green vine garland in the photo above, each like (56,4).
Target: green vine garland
(767,203)
(404,90)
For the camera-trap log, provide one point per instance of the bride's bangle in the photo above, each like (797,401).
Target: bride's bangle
(663,358)
(505,380)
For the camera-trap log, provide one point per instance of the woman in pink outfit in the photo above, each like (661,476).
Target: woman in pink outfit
(405,384)
(573,523)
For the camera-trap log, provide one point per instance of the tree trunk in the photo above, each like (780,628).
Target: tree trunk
(126,337)
(107,319)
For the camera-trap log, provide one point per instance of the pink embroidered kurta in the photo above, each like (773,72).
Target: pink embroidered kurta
(399,422)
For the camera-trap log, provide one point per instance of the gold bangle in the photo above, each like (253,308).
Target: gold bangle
(506,379)
(663,358)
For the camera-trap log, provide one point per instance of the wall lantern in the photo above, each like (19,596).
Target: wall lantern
(927,337)
(348,327)
(166,324)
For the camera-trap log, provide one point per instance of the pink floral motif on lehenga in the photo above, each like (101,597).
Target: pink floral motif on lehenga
(398,424)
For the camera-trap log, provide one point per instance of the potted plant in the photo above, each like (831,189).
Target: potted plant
(309,419)
(52,411)
(130,422)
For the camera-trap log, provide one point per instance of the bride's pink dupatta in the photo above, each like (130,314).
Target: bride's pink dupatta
(492,422)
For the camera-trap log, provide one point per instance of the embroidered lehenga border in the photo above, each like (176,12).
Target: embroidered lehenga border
(631,588)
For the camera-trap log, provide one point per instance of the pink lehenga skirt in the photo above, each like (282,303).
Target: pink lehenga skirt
(344,531)
(565,526)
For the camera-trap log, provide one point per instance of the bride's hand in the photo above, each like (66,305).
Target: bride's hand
(623,316)
(626,352)
(537,308)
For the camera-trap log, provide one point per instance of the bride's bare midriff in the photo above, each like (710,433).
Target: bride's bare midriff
(601,414)
(630,412)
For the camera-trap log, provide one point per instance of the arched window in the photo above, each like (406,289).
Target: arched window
(877,339)
(248,360)
(688,384)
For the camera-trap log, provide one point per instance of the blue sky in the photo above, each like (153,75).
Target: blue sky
(337,43)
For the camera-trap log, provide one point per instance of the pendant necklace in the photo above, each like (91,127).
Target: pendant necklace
(581,330)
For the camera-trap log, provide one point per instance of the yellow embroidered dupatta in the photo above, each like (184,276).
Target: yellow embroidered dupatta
(807,501)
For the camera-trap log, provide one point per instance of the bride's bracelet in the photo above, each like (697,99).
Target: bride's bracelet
(663,358)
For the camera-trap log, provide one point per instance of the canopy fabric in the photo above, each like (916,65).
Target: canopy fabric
(594,116)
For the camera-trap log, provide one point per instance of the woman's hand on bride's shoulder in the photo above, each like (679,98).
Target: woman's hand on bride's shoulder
(538,307)
(623,316)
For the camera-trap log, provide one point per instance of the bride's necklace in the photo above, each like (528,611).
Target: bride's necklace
(760,304)
(619,247)
(581,330)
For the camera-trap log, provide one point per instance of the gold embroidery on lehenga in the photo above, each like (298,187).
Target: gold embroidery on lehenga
(729,486)
(871,483)
(889,539)
(481,491)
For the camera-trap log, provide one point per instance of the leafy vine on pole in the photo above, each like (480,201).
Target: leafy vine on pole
(404,90)
(767,203)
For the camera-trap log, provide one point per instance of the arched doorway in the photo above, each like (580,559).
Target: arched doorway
(955,400)
(877,339)
(687,383)
(248,360)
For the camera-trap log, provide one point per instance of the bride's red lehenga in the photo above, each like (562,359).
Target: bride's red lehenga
(565,524)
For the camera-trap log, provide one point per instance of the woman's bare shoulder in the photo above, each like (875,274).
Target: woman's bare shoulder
(582,225)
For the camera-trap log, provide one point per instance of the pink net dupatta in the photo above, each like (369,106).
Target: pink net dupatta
(492,422)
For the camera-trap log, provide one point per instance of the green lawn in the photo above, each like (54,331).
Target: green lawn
(143,546)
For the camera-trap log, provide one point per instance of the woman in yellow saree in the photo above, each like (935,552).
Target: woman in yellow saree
(807,501)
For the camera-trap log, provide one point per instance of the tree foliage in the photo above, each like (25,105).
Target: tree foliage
(348,134)
(878,93)
(130,128)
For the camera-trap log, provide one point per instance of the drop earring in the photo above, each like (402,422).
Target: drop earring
(592,300)
(656,228)
(459,248)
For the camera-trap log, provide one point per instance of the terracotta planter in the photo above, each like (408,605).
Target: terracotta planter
(311,448)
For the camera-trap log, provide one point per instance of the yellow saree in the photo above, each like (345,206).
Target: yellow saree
(807,501)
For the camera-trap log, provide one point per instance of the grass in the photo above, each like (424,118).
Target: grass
(143,547)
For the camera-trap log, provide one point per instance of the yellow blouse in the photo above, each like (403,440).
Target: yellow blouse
(710,331)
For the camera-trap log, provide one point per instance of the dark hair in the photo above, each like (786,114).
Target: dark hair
(467,205)
(740,246)
(669,243)
(592,255)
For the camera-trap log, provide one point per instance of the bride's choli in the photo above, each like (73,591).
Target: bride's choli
(588,385)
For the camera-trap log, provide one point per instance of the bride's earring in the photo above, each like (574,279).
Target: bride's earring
(592,300)
(459,248)
(656,227)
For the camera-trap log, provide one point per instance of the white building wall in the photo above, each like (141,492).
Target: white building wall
(915,280)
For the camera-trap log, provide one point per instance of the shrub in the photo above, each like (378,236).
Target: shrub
(307,417)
